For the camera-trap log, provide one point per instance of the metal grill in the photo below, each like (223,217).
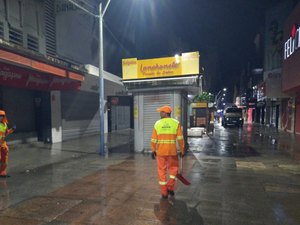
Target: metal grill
(32,43)
(1,30)
(15,36)
(50,30)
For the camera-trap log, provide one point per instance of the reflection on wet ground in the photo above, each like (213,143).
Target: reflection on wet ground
(175,211)
(232,142)
(251,140)
(238,177)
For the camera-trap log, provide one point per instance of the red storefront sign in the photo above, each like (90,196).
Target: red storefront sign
(29,79)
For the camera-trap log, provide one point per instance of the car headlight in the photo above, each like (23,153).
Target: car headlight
(227,118)
(240,118)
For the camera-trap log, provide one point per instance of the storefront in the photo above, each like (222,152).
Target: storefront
(261,103)
(274,98)
(30,86)
(291,72)
(158,82)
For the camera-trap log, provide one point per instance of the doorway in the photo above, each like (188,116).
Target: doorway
(43,116)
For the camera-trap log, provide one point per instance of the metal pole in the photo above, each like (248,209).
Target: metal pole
(101,79)
(216,97)
(201,86)
(101,83)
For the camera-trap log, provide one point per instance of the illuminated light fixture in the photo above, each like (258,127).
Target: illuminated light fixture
(177,58)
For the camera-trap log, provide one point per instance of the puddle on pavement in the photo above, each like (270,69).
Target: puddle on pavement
(175,211)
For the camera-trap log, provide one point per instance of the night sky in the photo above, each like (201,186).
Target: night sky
(223,31)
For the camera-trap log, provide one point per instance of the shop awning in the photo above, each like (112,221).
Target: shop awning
(36,72)
(188,83)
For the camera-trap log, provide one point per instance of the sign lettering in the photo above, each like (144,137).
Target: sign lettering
(293,43)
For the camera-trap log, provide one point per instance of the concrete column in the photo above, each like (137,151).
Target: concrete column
(177,107)
(56,122)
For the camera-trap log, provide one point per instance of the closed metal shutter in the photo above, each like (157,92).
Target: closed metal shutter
(150,115)
(20,110)
(120,117)
(80,114)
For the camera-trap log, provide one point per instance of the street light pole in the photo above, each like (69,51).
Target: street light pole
(218,98)
(201,85)
(101,79)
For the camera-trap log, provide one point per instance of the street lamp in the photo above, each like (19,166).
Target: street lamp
(101,70)
(217,97)
(101,80)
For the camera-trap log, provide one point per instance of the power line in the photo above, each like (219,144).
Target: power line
(84,9)
(116,39)
(106,26)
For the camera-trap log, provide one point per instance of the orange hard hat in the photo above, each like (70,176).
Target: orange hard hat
(165,108)
(2,113)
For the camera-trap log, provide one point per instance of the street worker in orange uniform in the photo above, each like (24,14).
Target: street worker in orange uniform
(4,131)
(163,144)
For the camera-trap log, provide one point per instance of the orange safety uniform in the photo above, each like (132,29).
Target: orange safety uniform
(163,141)
(3,145)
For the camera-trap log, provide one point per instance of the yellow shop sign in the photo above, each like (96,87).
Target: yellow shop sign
(187,64)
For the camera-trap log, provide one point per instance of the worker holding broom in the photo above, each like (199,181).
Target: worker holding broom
(163,144)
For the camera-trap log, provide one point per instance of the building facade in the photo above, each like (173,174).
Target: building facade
(48,80)
(274,97)
(291,70)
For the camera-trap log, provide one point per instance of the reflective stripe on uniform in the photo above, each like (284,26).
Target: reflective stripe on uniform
(179,137)
(172,177)
(153,140)
(162,182)
(166,141)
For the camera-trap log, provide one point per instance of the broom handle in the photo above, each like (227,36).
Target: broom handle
(180,168)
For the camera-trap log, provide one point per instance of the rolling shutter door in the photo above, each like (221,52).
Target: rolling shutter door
(80,114)
(120,117)
(150,115)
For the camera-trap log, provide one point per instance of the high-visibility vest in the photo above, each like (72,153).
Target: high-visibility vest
(165,133)
(3,130)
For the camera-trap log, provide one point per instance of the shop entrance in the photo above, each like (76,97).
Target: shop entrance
(43,116)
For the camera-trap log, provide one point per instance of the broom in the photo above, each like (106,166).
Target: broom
(179,175)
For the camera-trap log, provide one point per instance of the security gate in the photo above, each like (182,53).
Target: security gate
(119,113)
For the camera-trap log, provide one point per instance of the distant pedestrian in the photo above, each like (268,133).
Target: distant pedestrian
(163,144)
(4,131)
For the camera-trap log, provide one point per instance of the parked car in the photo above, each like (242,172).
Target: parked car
(233,116)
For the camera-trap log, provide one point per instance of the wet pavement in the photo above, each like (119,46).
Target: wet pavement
(238,177)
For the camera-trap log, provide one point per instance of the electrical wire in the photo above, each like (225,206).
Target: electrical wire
(106,26)
(84,9)
(116,39)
